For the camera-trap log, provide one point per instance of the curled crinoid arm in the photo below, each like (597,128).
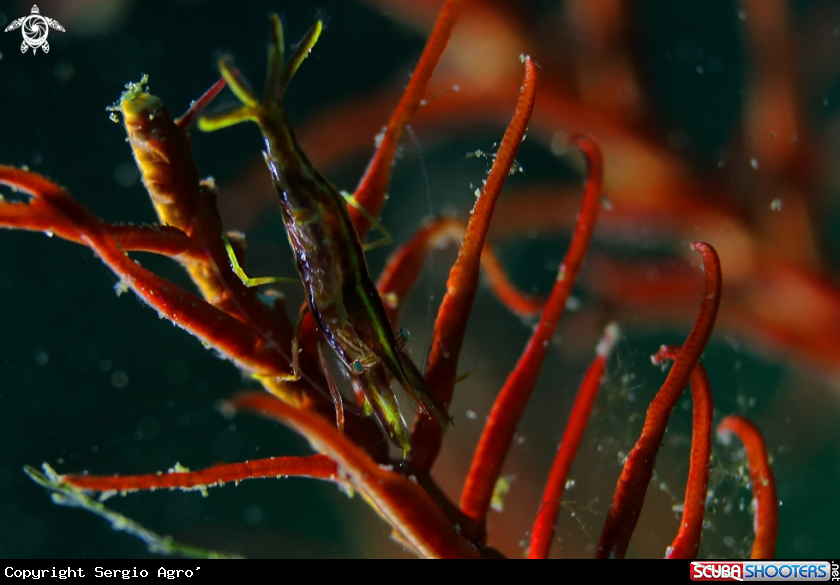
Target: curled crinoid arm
(763,483)
(462,283)
(687,541)
(512,399)
(543,531)
(638,469)
(404,267)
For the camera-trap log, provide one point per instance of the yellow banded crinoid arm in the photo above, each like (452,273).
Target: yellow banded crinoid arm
(279,74)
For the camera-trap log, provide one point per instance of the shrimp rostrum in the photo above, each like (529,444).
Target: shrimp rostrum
(329,254)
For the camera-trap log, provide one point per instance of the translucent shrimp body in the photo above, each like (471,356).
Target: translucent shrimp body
(340,293)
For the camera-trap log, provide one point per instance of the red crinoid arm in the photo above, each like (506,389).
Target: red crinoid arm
(638,469)
(314,466)
(404,266)
(198,106)
(543,531)
(373,186)
(510,403)
(233,338)
(36,216)
(687,542)
(402,502)
(462,284)
(165,240)
(763,484)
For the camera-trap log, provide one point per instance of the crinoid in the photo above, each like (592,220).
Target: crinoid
(91,383)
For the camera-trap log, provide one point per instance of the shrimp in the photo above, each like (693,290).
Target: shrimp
(329,254)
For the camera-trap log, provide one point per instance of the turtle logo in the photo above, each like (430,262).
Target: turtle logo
(35,29)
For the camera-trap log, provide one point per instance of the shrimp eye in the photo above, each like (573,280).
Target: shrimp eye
(401,338)
(358,367)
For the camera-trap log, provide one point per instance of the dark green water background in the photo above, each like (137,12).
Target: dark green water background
(92,381)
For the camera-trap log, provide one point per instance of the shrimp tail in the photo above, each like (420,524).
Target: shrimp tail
(279,74)
(415,386)
(383,403)
(301,52)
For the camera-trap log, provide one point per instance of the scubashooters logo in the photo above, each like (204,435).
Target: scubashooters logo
(35,29)
(760,571)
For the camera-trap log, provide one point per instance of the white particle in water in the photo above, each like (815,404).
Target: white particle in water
(377,140)
(729,541)
(119,379)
